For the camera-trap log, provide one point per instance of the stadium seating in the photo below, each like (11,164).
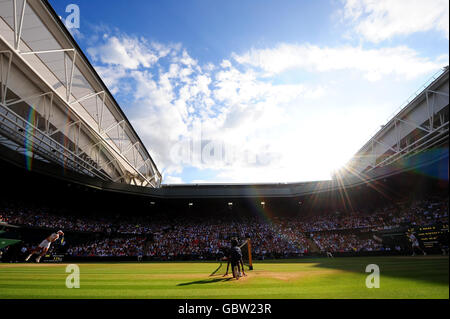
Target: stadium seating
(205,238)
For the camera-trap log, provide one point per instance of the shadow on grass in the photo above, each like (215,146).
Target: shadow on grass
(206,281)
(433,269)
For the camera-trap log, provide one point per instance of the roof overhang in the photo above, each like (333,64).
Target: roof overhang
(34,42)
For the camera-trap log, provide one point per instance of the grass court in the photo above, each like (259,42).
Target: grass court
(316,278)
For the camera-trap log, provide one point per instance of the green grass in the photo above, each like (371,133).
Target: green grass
(401,277)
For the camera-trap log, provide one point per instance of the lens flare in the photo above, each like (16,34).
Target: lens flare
(29,137)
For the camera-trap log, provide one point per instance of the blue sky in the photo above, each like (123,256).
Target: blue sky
(257,90)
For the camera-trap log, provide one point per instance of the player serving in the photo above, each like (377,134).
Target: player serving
(415,244)
(45,245)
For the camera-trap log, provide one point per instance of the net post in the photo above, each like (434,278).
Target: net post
(249,247)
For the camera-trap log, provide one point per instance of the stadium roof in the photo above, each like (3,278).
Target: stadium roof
(419,123)
(34,42)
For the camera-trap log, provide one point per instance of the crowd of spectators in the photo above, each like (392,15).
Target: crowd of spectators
(339,242)
(418,213)
(127,246)
(201,238)
(40,217)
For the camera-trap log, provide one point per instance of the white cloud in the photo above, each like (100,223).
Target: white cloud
(383,19)
(127,52)
(185,59)
(225,64)
(172,180)
(375,64)
(158,120)
(235,110)
(268,129)
(111,75)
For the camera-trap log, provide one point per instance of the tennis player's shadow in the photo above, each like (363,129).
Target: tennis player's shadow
(205,281)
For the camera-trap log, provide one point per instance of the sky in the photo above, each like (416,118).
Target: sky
(260,91)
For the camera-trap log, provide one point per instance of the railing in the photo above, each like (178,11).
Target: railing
(21,132)
(407,101)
